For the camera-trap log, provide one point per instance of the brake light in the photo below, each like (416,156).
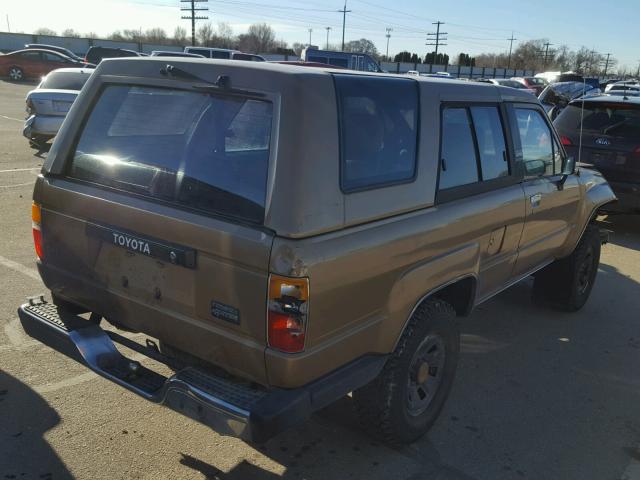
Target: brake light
(30,106)
(566,141)
(287,313)
(36,221)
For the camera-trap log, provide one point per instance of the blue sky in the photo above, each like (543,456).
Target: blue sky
(473,26)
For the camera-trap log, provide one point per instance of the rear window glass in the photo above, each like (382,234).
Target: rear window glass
(603,118)
(65,81)
(199,150)
(378,130)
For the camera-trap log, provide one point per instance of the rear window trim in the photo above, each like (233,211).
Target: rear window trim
(170,85)
(416,160)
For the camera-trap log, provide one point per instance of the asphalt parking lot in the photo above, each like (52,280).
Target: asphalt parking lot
(539,394)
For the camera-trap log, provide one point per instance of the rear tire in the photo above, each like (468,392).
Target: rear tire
(404,401)
(567,283)
(16,74)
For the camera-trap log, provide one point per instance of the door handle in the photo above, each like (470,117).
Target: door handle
(535,199)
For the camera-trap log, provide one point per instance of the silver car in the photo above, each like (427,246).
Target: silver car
(48,104)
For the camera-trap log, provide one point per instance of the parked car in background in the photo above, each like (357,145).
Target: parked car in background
(350,60)
(49,102)
(96,54)
(168,53)
(610,142)
(556,77)
(505,82)
(34,63)
(556,96)
(300,63)
(621,88)
(224,54)
(536,84)
(54,48)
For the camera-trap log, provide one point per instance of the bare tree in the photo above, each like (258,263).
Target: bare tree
(155,35)
(225,36)
(180,35)
(70,32)
(44,31)
(259,39)
(205,34)
(361,46)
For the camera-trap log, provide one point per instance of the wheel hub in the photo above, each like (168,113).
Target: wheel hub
(425,374)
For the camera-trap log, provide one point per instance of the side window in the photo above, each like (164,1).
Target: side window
(491,144)
(536,141)
(378,130)
(33,56)
(458,164)
(50,57)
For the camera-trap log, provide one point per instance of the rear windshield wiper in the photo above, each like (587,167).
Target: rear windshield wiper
(615,125)
(223,82)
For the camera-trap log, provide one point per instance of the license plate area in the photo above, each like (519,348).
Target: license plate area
(150,247)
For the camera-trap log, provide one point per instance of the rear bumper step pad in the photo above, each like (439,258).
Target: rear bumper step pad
(228,407)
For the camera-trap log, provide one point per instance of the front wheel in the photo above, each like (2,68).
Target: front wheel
(404,401)
(16,74)
(567,283)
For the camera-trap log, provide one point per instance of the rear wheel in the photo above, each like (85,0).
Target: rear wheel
(567,283)
(404,401)
(16,74)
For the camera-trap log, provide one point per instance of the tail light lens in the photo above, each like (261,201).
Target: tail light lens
(287,313)
(30,106)
(566,141)
(36,221)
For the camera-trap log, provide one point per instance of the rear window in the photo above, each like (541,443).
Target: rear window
(65,81)
(199,150)
(378,130)
(601,118)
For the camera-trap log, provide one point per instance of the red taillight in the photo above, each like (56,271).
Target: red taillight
(566,141)
(36,220)
(287,313)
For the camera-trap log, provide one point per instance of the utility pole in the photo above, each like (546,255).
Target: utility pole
(606,65)
(193,9)
(8,26)
(510,49)
(591,54)
(389,30)
(638,72)
(344,12)
(328,29)
(310,31)
(438,40)
(546,54)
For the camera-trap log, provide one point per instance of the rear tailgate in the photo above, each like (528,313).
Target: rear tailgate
(157,222)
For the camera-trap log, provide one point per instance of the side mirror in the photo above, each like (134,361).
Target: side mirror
(534,168)
(568,168)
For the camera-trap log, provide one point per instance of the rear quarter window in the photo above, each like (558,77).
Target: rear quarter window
(378,130)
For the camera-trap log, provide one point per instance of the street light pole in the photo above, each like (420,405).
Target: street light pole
(389,30)
(328,29)
(310,31)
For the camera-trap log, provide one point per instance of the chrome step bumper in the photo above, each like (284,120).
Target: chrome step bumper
(229,407)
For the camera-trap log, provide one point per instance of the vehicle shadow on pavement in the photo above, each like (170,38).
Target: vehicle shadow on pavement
(25,417)
(537,393)
(625,230)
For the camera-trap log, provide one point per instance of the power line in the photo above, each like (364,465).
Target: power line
(344,20)
(193,16)
(438,40)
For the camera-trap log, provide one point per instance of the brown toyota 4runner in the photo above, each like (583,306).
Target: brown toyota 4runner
(288,235)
